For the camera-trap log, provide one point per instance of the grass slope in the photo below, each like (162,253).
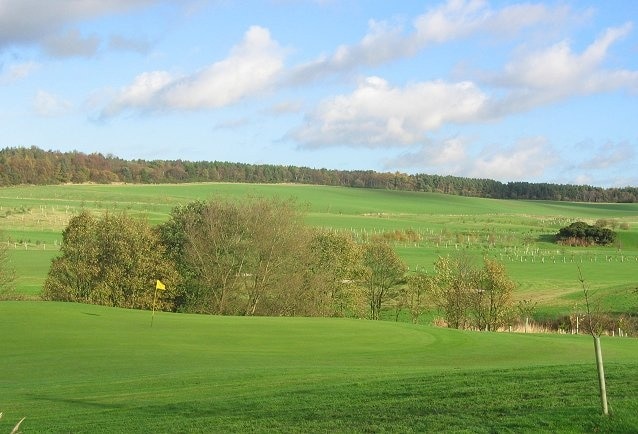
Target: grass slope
(81,368)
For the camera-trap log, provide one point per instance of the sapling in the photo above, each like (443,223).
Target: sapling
(596,330)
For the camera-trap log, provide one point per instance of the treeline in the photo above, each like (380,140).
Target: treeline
(19,166)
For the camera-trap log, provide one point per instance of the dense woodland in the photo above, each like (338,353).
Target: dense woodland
(19,166)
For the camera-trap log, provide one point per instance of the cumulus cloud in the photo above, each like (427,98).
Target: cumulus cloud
(377,114)
(454,19)
(48,105)
(557,72)
(251,67)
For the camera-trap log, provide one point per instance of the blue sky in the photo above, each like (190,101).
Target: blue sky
(512,91)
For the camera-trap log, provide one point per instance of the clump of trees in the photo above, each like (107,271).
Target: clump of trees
(258,257)
(250,257)
(470,296)
(583,234)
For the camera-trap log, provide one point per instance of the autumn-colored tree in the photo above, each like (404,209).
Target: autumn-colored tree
(384,271)
(244,257)
(491,303)
(112,260)
(470,296)
(417,293)
(456,281)
(337,270)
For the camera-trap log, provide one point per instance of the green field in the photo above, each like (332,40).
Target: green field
(82,368)
(515,232)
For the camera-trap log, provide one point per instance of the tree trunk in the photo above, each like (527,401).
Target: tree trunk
(601,375)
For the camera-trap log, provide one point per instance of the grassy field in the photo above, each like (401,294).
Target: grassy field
(82,368)
(518,233)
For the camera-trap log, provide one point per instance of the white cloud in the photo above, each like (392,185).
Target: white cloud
(48,105)
(252,67)
(377,114)
(141,94)
(610,155)
(527,160)
(447,156)
(556,73)
(457,19)
(452,20)
(17,71)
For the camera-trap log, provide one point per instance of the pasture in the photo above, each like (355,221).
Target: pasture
(517,233)
(83,368)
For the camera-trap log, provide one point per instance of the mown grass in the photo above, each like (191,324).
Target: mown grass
(81,368)
(518,233)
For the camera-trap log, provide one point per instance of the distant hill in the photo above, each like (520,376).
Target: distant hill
(19,166)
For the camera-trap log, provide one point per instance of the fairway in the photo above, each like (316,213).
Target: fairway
(83,368)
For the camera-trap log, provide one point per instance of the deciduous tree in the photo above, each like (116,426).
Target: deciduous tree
(385,270)
(416,293)
(456,280)
(337,267)
(112,260)
(246,257)
(492,305)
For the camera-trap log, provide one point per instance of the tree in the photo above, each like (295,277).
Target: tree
(492,301)
(385,270)
(456,281)
(191,295)
(594,324)
(217,248)
(526,309)
(250,257)
(337,266)
(470,296)
(581,233)
(415,294)
(113,260)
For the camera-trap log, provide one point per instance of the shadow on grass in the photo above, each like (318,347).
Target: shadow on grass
(546,238)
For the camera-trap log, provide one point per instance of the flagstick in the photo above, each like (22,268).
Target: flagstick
(154,297)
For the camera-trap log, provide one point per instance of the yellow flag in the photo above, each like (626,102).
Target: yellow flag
(159,285)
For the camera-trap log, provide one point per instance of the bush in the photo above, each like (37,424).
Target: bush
(582,234)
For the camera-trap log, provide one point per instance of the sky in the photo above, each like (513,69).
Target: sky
(538,91)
